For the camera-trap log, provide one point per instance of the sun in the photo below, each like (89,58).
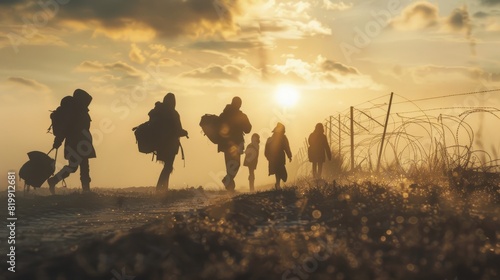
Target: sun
(287,95)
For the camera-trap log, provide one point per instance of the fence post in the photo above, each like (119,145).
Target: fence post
(330,133)
(352,138)
(385,130)
(340,138)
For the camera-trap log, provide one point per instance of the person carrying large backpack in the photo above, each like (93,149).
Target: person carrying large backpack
(167,123)
(72,126)
(233,124)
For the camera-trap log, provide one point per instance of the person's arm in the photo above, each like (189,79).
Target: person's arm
(287,148)
(327,148)
(245,124)
(57,142)
(180,131)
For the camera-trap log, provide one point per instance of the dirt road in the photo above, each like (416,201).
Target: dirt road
(54,225)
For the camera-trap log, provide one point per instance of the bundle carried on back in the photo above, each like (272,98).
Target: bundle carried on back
(146,138)
(210,124)
(61,117)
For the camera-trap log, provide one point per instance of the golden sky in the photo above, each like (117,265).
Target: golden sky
(129,53)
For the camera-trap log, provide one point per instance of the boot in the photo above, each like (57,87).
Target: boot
(52,181)
(86,187)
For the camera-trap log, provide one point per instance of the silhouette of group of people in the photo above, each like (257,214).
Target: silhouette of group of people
(234,124)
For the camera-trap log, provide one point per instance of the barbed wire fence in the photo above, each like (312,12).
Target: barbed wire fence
(426,143)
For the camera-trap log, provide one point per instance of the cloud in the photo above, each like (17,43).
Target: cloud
(336,6)
(272,28)
(157,51)
(224,45)
(318,74)
(142,19)
(165,61)
(29,84)
(417,16)
(163,18)
(119,66)
(481,14)
(329,65)
(290,28)
(90,66)
(268,21)
(321,73)
(124,67)
(445,74)
(135,54)
(484,15)
(23,36)
(216,72)
(460,21)
(490,2)
(425,16)
(216,24)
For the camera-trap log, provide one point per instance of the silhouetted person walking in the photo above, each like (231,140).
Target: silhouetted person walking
(233,124)
(276,147)
(318,147)
(167,123)
(78,148)
(251,159)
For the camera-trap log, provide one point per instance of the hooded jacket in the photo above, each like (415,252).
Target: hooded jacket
(233,125)
(78,144)
(169,127)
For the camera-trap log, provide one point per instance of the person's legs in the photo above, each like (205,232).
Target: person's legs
(85,174)
(251,178)
(232,157)
(164,178)
(62,174)
(277,184)
(320,169)
(314,168)
(168,167)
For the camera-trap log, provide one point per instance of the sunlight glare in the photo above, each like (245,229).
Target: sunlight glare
(287,95)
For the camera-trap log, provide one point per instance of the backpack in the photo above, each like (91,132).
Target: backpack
(146,138)
(38,169)
(60,117)
(210,124)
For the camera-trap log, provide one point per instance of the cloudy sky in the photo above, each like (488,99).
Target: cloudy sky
(130,53)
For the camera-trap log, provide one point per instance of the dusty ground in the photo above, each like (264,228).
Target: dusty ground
(313,232)
(54,225)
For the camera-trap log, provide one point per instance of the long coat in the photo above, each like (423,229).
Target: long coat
(169,128)
(78,140)
(276,147)
(233,124)
(318,147)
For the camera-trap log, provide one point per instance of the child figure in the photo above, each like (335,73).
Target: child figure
(276,147)
(251,159)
